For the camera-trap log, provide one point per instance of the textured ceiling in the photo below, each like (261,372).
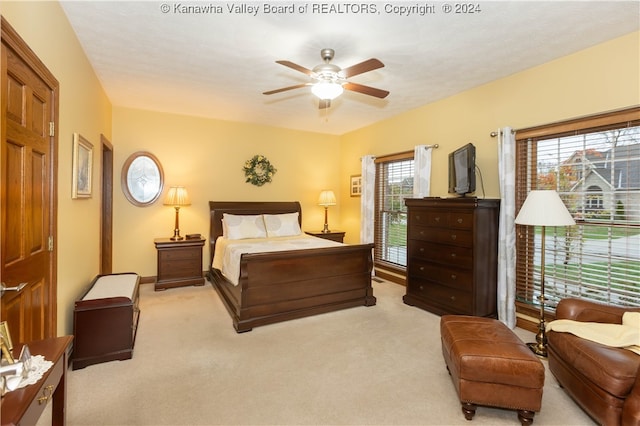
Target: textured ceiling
(165,56)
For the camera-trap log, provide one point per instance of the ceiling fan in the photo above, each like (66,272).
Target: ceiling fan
(328,81)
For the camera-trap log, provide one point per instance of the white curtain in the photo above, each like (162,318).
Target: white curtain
(367,200)
(422,171)
(507,232)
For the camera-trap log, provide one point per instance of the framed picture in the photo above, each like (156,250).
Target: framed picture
(355,187)
(82,167)
(6,337)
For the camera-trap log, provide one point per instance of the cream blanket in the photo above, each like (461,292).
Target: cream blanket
(228,252)
(625,335)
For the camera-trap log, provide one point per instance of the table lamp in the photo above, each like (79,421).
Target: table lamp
(326,199)
(177,197)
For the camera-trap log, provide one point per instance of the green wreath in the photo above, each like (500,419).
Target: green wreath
(258,170)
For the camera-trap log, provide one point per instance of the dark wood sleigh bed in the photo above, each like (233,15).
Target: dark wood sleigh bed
(284,285)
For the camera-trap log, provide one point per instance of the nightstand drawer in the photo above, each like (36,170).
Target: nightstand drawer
(193,253)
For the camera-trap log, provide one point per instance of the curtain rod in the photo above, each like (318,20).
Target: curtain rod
(434,146)
(494,134)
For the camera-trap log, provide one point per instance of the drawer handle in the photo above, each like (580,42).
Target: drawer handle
(453,277)
(453,255)
(46,394)
(421,287)
(438,219)
(418,217)
(421,232)
(422,268)
(453,298)
(422,249)
(459,220)
(454,236)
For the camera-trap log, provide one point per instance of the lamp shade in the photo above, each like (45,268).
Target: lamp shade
(327,198)
(177,197)
(544,208)
(327,90)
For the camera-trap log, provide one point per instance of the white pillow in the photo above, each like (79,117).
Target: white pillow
(238,227)
(282,225)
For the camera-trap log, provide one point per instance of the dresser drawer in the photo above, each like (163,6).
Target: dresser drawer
(448,254)
(441,219)
(461,220)
(459,237)
(452,277)
(458,301)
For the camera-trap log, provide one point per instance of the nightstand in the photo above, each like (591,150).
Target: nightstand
(179,262)
(333,235)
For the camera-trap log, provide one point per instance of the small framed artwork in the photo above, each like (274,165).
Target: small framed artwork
(355,187)
(82,167)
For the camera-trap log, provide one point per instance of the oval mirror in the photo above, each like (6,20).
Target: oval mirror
(142,178)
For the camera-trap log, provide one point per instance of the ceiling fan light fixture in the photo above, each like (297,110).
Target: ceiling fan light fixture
(327,90)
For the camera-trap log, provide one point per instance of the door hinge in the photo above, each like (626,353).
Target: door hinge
(50,243)
(52,129)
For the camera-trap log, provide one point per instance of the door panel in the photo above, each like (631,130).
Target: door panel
(27,191)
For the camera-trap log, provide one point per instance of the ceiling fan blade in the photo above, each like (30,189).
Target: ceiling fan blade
(284,89)
(362,67)
(324,103)
(296,67)
(367,90)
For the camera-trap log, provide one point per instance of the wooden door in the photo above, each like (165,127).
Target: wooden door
(106,211)
(27,191)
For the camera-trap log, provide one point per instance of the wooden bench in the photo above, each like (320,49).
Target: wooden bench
(105,320)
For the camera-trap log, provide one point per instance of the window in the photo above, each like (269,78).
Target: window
(394,183)
(594,164)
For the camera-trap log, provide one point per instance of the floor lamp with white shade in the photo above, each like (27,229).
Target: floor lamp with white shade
(543,208)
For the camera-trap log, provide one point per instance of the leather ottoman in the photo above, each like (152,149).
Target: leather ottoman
(491,366)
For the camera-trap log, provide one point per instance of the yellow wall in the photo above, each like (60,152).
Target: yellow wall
(598,79)
(85,109)
(206,156)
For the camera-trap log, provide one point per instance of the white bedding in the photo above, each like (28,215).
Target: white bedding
(228,252)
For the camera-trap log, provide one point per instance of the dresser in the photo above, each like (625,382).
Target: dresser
(179,262)
(452,249)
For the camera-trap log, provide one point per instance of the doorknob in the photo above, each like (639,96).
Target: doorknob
(16,288)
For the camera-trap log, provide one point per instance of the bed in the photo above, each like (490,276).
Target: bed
(284,285)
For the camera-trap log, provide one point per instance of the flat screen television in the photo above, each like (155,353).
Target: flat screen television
(462,170)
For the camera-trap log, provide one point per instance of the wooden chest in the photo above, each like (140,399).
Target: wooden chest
(452,248)
(105,320)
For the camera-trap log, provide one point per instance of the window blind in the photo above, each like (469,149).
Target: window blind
(594,165)
(394,183)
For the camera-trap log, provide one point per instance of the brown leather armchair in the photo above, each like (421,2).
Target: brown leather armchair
(603,380)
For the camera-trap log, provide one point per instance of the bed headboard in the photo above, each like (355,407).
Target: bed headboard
(218,208)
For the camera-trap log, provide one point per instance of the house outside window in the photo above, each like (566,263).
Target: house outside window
(394,183)
(596,171)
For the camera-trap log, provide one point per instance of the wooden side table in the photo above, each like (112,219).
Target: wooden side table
(333,235)
(25,405)
(179,262)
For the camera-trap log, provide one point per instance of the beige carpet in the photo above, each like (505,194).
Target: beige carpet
(379,365)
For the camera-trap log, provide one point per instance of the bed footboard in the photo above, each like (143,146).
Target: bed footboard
(285,285)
